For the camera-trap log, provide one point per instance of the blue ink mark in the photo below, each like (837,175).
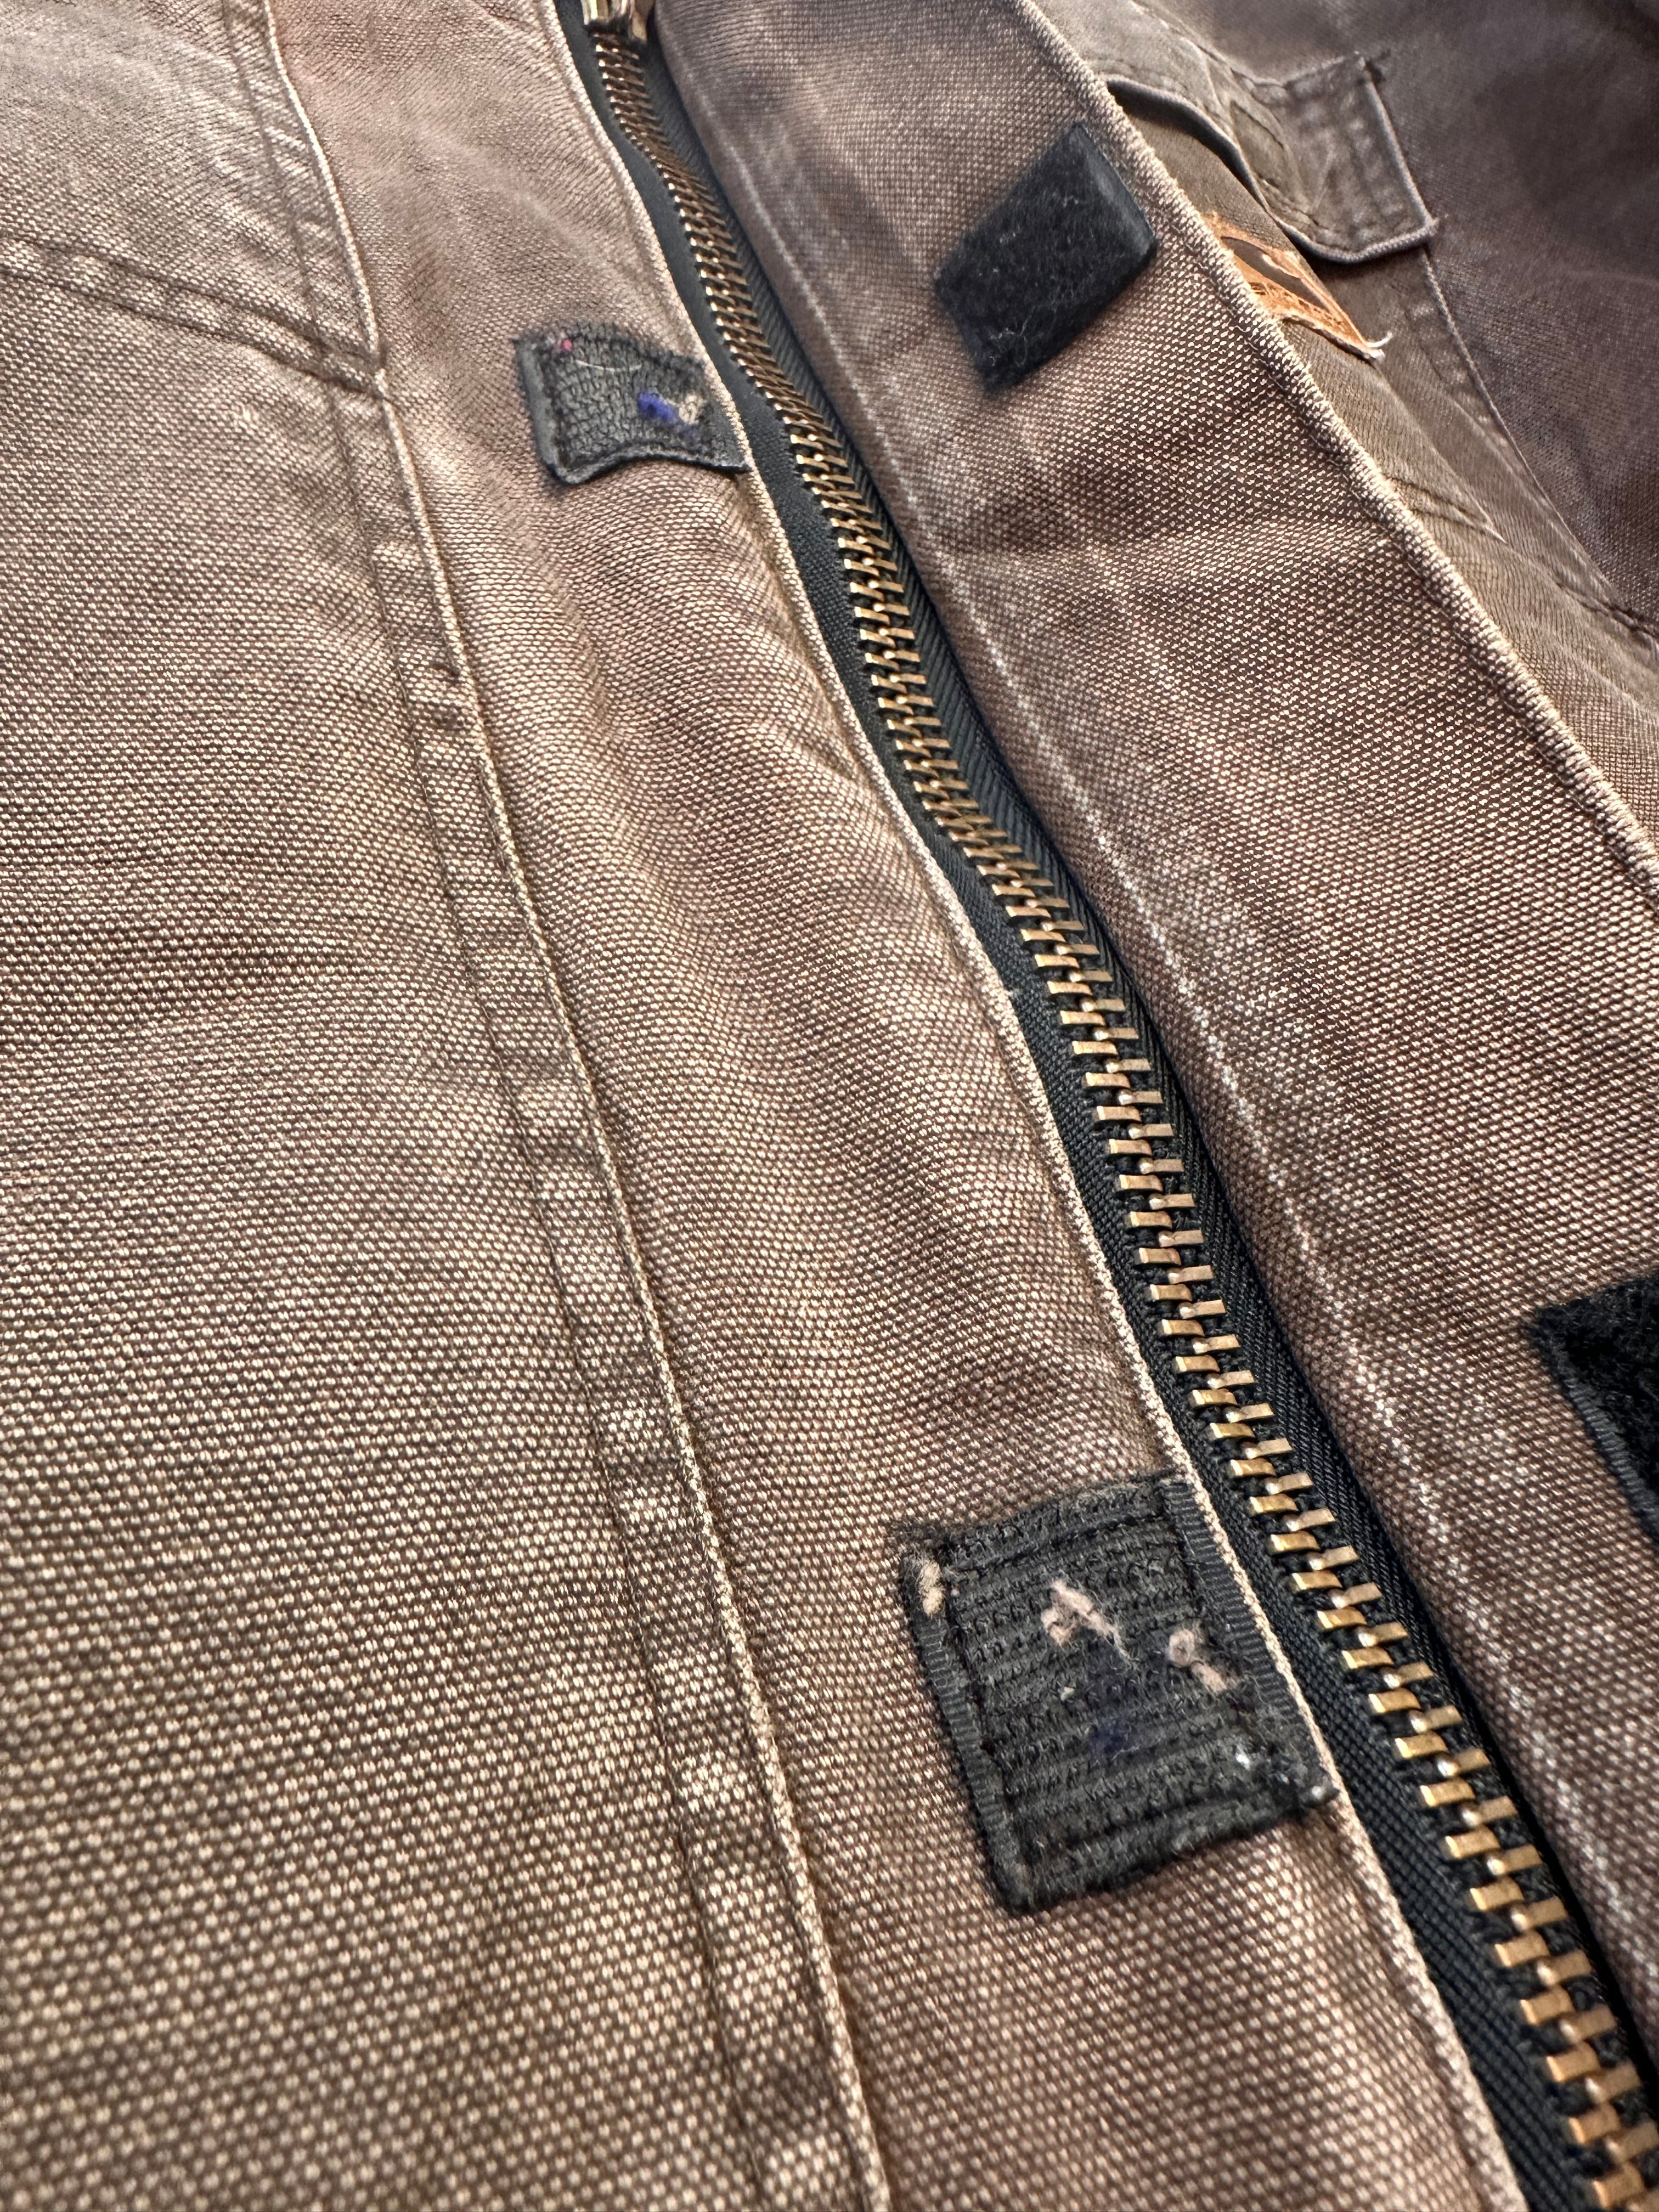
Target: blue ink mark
(1110,1739)
(656,409)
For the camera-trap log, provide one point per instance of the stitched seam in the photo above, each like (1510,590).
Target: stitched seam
(249,340)
(411,717)
(511,1100)
(129,266)
(521,1127)
(972,962)
(1561,561)
(119,283)
(1516,461)
(768,542)
(1463,620)
(729,1649)
(1456,2089)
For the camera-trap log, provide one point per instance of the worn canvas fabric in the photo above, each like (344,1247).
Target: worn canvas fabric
(1412,911)
(523,1191)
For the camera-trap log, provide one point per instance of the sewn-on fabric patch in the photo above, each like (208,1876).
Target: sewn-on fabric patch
(1110,1698)
(598,397)
(1041,266)
(1603,1349)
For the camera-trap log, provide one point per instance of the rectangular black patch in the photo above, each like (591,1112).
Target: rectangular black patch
(1040,267)
(1110,1700)
(598,397)
(1603,1349)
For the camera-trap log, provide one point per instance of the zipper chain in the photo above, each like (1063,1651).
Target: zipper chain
(1579,2043)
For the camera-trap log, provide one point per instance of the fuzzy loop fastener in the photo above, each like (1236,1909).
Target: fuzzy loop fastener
(1603,1349)
(1034,272)
(1110,1701)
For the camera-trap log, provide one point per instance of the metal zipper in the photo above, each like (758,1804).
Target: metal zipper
(1541,1967)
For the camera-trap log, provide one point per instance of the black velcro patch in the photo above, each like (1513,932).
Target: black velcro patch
(1041,266)
(1603,1349)
(598,397)
(1110,1700)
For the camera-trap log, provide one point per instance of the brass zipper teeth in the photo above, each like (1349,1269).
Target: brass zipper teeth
(1582,2045)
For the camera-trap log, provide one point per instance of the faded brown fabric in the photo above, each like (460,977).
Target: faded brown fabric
(874,1287)
(1422,417)
(338,1792)
(413,1794)
(1522,129)
(1555,240)
(1398,933)
(522,1185)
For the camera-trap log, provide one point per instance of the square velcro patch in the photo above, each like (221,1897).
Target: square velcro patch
(1036,270)
(598,397)
(1110,1700)
(1603,1349)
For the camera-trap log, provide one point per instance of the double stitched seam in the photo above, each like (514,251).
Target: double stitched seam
(937,780)
(1453,365)
(1459,615)
(615,1325)
(348,466)
(115,280)
(854,2120)
(1486,1832)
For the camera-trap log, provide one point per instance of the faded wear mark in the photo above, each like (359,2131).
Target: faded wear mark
(1187,1648)
(598,397)
(1074,1609)
(1108,1697)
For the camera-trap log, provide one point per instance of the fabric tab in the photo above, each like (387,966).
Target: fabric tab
(598,397)
(1603,1349)
(1036,270)
(1110,1698)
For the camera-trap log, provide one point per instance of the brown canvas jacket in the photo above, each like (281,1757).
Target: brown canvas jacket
(831,1028)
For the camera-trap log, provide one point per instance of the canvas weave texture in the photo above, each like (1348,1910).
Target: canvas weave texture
(520,1179)
(1377,900)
